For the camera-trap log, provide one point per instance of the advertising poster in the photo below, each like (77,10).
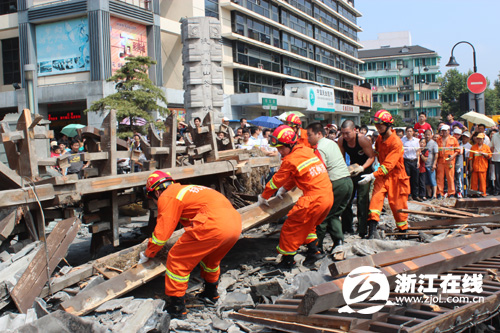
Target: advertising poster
(128,39)
(63,47)
(362,96)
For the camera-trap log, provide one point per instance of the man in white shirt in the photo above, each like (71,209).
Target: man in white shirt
(411,148)
(495,158)
(246,143)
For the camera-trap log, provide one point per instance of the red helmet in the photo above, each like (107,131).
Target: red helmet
(283,135)
(383,117)
(156,181)
(293,120)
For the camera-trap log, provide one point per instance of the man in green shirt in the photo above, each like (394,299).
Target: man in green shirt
(330,154)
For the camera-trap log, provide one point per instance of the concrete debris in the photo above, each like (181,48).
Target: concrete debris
(10,322)
(94,281)
(40,307)
(61,322)
(221,324)
(235,300)
(269,288)
(133,315)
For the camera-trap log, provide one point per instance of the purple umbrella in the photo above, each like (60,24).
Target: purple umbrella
(138,121)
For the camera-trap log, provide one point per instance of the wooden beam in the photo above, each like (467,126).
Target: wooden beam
(34,278)
(27,154)
(445,209)
(12,136)
(429,224)
(387,258)
(420,212)
(8,219)
(103,155)
(9,179)
(477,202)
(25,195)
(170,140)
(74,276)
(329,295)
(10,148)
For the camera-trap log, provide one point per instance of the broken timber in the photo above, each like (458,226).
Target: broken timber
(445,209)
(328,295)
(421,212)
(130,279)
(429,224)
(34,278)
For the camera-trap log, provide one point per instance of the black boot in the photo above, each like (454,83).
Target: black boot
(287,263)
(176,307)
(210,292)
(372,230)
(313,252)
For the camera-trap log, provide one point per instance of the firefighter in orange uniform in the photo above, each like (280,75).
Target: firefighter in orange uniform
(294,122)
(390,177)
(212,226)
(479,155)
(448,148)
(302,168)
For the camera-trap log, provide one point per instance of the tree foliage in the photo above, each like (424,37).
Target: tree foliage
(454,83)
(136,95)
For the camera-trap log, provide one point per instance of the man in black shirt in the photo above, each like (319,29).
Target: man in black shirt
(360,151)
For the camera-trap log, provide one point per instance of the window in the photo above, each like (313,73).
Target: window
(212,8)
(8,6)
(10,61)
(348,31)
(346,13)
(255,29)
(246,82)
(330,3)
(297,23)
(256,57)
(348,48)
(297,45)
(327,77)
(298,69)
(303,5)
(326,18)
(326,37)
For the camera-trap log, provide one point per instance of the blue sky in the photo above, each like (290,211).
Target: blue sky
(438,25)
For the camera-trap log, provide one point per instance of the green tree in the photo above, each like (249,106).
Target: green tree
(136,95)
(453,83)
(368,116)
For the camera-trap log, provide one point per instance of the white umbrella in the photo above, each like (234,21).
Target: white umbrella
(478,118)
(286,114)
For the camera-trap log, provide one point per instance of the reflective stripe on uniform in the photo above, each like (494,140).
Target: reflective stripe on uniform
(312,236)
(271,183)
(384,170)
(209,270)
(157,241)
(399,224)
(378,212)
(178,278)
(285,252)
(307,163)
(182,192)
(184,218)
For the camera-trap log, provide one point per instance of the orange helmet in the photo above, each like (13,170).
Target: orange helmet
(156,181)
(283,135)
(293,120)
(383,117)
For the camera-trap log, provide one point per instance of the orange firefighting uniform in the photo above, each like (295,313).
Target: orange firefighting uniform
(302,168)
(446,168)
(479,167)
(390,180)
(302,134)
(212,226)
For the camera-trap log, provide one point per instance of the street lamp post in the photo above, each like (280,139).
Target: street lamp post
(453,63)
(420,81)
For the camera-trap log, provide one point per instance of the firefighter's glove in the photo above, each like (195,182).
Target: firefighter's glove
(357,169)
(365,179)
(142,258)
(262,201)
(281,192)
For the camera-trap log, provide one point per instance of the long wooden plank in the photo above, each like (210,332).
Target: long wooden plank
(118,182)
(449,222)
(477,202)
(25,195)
(76,275)
(9,179)
(34,278)
(387,258)
(420,212)
(446,209)
(329,295)
(87,301)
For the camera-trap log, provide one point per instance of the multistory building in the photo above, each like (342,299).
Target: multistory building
(404,80)
(277,55)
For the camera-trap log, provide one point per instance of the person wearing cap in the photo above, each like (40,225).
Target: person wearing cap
(459,165)
(301,168)
(448,150)
(495,158)
(295,123)
(479,155)
(211,227)
(226,129)
(390,178)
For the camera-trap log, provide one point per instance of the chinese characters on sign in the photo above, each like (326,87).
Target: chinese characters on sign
(128,39)
(425,283)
